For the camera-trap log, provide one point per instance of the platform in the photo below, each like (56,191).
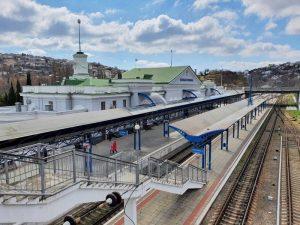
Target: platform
(164,208)
(125,144)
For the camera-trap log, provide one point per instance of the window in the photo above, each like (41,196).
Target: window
(102,105)
(114,104)
(124,103)
(148,76)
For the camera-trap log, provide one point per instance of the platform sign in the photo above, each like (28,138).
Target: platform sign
(123,133)
(199,151)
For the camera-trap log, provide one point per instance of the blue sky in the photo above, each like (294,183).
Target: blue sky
(214,34)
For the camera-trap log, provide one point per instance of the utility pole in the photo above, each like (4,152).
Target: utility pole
(79,21)
(250,102)
(221,78)
(171,57)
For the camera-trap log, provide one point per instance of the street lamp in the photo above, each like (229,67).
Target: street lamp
(137,137)
(137,127)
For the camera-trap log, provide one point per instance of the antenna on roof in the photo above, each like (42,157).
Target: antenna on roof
(171,58)
(79,21)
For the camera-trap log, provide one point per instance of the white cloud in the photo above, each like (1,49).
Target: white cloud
(272,8)
(28,24)
(146,63)
(293,26)
(245,65)
(226,14)
(163,33)
(273,51)
(111,11)
(96,15)
(177,3)
(36,51)
(202,4)
(157,2)
(276,9)
(153,3)
(270,26)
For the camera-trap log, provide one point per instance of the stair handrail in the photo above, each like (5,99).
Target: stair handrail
(29,175)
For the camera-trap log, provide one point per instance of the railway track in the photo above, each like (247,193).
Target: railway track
(237,202)
(290,180)
(99,213)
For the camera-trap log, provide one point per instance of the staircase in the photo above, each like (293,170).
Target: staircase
(31,185)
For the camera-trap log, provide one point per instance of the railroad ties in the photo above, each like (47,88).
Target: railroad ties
(290,181)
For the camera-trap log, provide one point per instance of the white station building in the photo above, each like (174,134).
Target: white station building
(138,87)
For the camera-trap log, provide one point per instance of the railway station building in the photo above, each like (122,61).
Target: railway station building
(137,87)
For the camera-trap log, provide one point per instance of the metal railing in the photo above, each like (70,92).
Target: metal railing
(173,173)
(165,150)
(49,175)
(46,176)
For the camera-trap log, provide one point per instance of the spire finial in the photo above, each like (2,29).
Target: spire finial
(79,43)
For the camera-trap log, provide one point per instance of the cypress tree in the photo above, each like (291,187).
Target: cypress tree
(11,95)
(5,99)
(28,80)
(18,91)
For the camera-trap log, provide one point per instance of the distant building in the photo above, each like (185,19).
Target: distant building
(138,87)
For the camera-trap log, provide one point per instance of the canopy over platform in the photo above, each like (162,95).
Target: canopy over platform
(200,127)
(45,128)
(199,130)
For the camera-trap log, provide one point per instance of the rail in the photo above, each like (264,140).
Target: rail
(241,174)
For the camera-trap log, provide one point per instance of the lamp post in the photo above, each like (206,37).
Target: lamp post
(137,137)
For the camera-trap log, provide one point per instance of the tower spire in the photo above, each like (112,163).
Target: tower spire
(171,58)
(79,43)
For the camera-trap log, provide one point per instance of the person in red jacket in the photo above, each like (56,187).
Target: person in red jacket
(113,147)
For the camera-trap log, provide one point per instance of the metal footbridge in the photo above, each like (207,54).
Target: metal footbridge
(40,188)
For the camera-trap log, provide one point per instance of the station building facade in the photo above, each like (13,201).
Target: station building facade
(138,87)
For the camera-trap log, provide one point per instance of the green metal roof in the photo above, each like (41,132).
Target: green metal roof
(95,82)
(73,82)
(158,75)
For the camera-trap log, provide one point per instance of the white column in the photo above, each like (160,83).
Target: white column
(131,212)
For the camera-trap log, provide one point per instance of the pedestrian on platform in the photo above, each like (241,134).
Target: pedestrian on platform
(113,147)
(116,147)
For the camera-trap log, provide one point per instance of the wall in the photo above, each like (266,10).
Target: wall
(187,77)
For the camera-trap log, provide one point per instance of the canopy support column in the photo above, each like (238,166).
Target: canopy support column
(238,129)
(222,141)
(204,157)
(166,131)
(227,139)
(209,155)
(137,139)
